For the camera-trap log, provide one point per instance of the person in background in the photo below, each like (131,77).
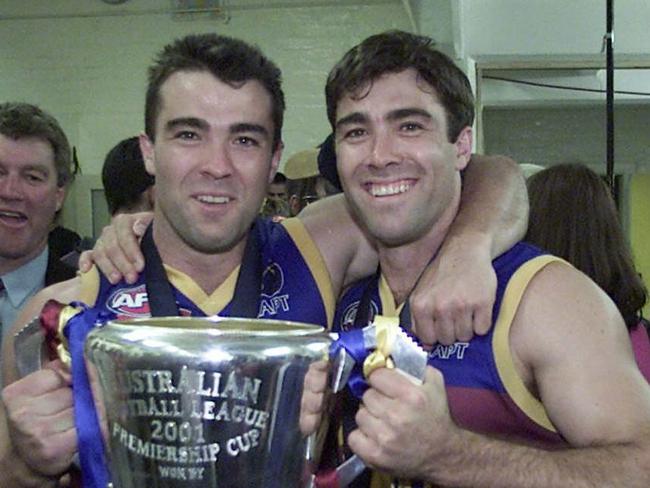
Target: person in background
(277,189)
(128,187)
(64,243)
(35,171)
(573,215)
(306,184)
(276,203)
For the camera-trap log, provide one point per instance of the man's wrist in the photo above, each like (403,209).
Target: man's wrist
(449,458)
(476,243)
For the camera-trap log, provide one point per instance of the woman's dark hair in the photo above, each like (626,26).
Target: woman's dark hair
(573,215)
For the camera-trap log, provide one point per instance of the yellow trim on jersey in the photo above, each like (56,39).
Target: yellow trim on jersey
(387,300)
(315,262)
(513,383)
(388,309)
(210,304)
(380,480)
(89,286)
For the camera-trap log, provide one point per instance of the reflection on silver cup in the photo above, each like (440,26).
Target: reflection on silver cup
(189,402)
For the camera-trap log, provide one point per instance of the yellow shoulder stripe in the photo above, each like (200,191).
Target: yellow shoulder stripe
(89,286)
(513,383)
(315,262)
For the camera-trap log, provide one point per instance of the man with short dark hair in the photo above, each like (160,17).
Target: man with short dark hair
(551,395)
(35,170)
(277,189)
(128,187)
(276,203)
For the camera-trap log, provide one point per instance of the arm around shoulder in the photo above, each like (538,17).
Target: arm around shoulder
(454,297)
(494,203)
(348,253)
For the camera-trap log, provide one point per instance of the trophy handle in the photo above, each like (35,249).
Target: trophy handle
(43,337)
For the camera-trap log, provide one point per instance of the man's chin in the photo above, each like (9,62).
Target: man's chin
(18,251)
(214,243)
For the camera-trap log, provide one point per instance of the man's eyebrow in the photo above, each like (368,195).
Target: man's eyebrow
(353,118)
(41,168)
(186,122)
(404,113)
(248,127)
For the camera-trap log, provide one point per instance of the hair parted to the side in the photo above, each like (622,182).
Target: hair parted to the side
(19,120)
(393,52)
(230,60)
(573,215)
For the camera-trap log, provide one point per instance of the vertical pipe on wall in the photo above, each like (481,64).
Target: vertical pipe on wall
(609,41)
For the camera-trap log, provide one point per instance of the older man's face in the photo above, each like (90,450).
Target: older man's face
(29,198)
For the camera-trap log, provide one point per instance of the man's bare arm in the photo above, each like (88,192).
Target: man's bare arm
(348,253)
(570,346)
(494,203)
(456,292)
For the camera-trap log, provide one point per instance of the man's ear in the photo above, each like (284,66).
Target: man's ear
(146,148)
(60,197)
(275,161)
(463,148)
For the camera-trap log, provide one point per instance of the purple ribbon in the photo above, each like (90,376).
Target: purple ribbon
(352,342)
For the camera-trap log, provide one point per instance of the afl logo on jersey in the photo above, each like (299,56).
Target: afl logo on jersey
(272,302)
(350,314)
(129,302)
(272,280)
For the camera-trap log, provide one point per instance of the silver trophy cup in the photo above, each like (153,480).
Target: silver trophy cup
(198,402)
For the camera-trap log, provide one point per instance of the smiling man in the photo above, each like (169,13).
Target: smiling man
(551,395)
(35,168)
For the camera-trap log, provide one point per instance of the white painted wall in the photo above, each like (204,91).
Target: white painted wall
(552,26)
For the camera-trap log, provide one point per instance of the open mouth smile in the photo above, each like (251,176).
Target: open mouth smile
(389,189)
(12,217)
(211,199)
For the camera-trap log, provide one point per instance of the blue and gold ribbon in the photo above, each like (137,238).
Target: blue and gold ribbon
(365,360)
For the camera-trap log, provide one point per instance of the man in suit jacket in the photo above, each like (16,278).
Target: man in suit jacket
(35,170)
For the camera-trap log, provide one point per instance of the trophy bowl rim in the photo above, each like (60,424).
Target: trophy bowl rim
(223,326)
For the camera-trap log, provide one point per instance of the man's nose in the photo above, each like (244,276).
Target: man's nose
(384,150)
(11,187)
(217,160)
